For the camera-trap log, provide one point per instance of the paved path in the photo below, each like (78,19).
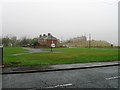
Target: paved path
(103,77)
(30,50)
(34,50)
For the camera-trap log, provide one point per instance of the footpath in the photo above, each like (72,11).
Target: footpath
(32,69)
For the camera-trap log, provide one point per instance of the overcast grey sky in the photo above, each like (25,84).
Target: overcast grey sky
(63,18)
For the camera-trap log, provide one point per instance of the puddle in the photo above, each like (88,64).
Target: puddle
(32,50)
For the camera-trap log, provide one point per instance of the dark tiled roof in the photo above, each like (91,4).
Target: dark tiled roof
(41,38)
(47,38)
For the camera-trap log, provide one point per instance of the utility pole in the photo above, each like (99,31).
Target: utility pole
(89,40)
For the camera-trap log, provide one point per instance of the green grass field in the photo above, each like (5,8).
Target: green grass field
(58,56)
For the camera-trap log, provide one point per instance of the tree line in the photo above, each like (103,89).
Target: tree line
(13,41)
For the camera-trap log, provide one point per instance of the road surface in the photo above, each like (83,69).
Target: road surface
(104,77)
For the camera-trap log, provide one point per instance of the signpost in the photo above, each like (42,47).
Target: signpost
(52,45)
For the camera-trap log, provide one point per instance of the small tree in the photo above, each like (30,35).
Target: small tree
(34,42)
(6,41)
(13,40)
(24,41)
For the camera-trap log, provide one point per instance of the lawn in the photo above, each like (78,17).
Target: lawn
(58,56)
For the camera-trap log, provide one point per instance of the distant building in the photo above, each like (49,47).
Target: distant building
(45,41)
(80,39)
(83,42)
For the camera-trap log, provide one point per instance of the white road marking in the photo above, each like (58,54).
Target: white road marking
(112,78)
(61,85)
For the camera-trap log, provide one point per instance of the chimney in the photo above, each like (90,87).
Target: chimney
(44,34)
(49,34)
(40,35)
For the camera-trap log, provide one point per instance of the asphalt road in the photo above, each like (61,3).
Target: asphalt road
(104,77)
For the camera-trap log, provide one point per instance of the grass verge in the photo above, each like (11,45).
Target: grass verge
(58,56)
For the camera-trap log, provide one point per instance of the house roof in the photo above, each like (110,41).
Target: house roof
(42,37)
(50,38)
(47,38)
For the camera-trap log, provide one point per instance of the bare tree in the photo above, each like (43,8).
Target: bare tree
(6,41)
(13,40)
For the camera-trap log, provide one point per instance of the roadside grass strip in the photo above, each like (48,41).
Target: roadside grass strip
(58,56)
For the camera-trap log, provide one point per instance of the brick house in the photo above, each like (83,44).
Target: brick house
(45,41)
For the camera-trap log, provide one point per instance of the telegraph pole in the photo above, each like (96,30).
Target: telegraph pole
(89,40)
